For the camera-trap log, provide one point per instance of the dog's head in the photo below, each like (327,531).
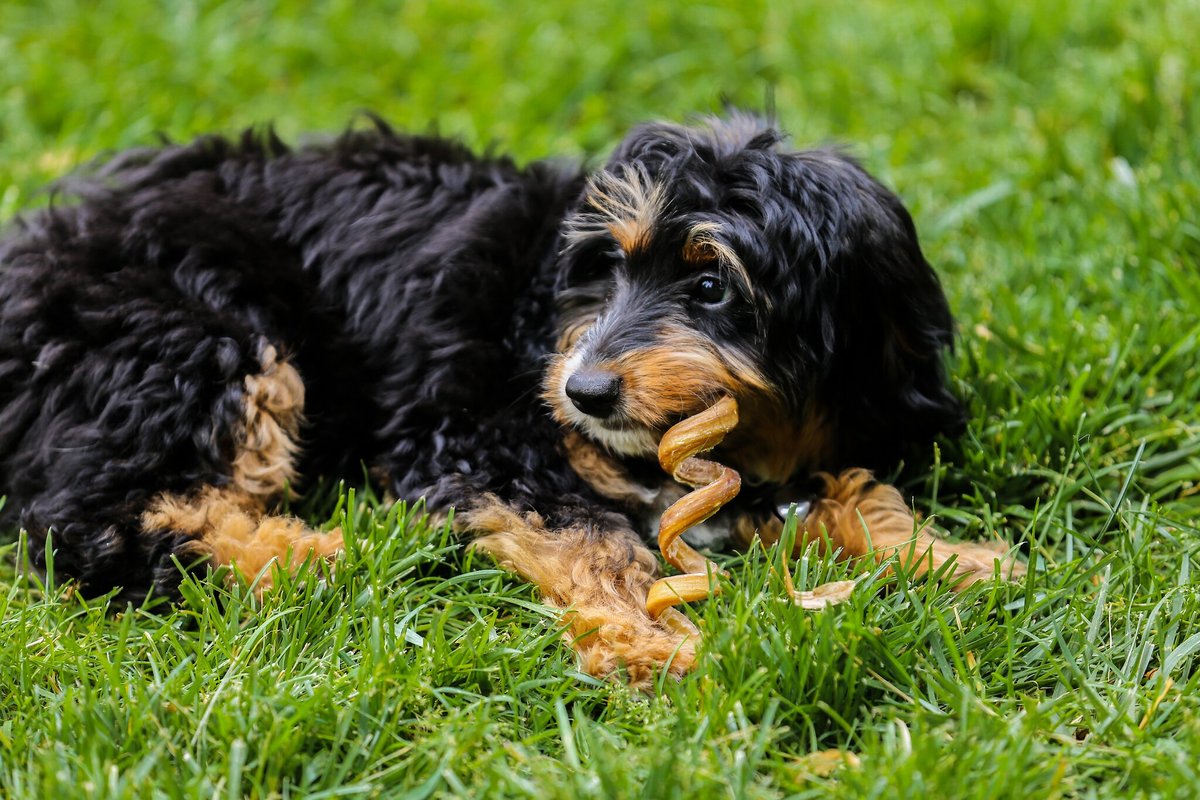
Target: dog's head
(709,260)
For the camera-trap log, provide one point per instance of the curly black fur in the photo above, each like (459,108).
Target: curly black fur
(419,289)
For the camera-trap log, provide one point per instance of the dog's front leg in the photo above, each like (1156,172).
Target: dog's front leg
(598,571)
(856,516)
(860,516)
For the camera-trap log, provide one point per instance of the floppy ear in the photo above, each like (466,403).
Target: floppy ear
(885,324)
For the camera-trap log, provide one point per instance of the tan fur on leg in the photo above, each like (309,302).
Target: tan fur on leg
(863,517)
(602,578)
(229,524)
(274,408)
(230,528)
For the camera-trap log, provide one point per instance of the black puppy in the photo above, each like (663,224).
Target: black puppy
(211,321)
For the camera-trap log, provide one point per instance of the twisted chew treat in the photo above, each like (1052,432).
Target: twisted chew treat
(715,486)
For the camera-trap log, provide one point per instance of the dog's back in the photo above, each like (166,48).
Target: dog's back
(137,324)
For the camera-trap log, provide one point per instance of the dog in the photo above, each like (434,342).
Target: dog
(206,323)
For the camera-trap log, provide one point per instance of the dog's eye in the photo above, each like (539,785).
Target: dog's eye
(710,290)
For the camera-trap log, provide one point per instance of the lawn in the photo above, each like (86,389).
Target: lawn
(1050,153)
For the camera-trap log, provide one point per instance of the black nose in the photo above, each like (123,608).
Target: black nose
(594,391)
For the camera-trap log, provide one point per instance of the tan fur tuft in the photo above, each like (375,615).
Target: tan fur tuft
(603,472)
(228,523)
(863,517)
(600,579)
(274,407)
(625,206)
(702,248)
(229,527)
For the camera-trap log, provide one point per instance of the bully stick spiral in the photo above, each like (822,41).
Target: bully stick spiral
(715,485)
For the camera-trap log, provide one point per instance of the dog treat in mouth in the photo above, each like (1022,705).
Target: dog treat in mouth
(715,485)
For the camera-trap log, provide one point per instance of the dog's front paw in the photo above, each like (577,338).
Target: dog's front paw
(983,561)
(628,642)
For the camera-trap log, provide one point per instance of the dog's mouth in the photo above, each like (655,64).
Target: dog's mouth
(620,425)
(621,433)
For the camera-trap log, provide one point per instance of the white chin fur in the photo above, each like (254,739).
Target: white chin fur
(636,442)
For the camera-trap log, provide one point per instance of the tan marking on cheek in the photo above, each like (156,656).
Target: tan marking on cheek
(680,375)
(660,384)
(749,380)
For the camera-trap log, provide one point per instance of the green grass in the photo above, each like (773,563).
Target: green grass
(1050,153)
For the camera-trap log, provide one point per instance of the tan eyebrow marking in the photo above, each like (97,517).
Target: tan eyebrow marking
(625,205)
(702,247)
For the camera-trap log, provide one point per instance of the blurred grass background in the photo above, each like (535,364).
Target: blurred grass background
(1050,153)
